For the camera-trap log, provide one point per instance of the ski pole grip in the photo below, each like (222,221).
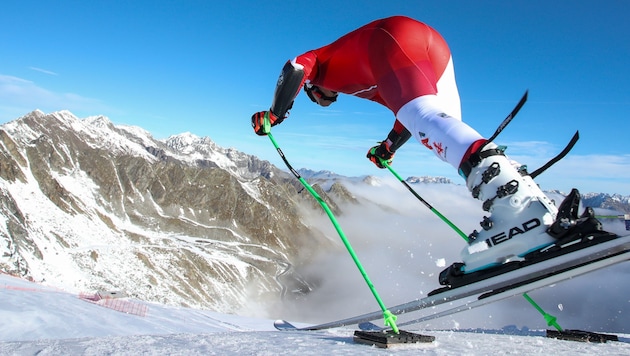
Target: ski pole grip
(266,123)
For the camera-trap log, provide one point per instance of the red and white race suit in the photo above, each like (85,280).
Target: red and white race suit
(406,66)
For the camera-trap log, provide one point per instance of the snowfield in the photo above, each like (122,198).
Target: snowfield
(39,320)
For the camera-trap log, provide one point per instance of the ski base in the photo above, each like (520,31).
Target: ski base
(579,335)
(378,337)
(567,334)
(388,338)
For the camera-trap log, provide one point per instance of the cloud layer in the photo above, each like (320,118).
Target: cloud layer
(403,246)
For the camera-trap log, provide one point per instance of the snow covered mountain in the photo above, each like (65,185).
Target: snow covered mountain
(615,202)
(87,205)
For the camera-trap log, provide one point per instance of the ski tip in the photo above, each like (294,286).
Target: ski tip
(283,325)
(523,100)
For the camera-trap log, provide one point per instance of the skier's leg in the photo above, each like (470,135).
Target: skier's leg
(447,92)
(431,124)
(520,212)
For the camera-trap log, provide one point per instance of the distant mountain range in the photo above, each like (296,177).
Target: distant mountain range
(89,205)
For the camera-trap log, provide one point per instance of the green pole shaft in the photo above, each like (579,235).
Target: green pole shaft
(447,221)
(390,318)
(550,319)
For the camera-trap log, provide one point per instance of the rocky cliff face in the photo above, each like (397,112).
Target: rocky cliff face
(89,205)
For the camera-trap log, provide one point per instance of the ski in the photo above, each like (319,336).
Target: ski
(284,325)
(509,118)
(492,297)
(498,287)
(558,157)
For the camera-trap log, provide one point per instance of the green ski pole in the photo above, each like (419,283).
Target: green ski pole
(550,319)
(447,221)
(390,318)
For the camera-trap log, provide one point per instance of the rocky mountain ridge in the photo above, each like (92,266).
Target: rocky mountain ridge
(90,205)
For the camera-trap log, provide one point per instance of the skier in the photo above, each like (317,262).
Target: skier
(406,66)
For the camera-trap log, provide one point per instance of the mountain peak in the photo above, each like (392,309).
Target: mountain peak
(187,142)
(98,121)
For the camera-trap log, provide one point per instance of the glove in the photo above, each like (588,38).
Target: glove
(258,121)
(376,153)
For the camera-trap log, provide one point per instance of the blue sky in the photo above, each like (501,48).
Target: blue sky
(205,66)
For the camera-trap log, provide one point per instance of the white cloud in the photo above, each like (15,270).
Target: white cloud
(20,96)
(42,71)
(613,166)
(598,173)
(403,247)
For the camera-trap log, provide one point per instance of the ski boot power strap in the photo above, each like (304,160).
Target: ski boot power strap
(473,161)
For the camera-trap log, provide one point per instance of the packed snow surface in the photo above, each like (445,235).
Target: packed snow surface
(39,320)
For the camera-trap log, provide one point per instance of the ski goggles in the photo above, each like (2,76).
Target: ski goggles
(316,94)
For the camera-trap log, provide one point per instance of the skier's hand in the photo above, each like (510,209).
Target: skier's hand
(258,121)
(376,153)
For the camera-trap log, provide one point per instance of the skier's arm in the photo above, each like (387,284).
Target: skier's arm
(397,136)
(287,88)
(386,150)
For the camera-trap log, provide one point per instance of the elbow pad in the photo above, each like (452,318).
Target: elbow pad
(287,88)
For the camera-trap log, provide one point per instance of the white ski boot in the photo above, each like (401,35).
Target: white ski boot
(520,212)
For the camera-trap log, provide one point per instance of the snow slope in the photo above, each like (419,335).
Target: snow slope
(41,320)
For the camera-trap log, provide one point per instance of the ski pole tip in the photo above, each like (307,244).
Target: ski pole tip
(552,321)
(390,320)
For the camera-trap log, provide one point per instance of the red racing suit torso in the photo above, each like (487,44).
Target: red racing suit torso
(390,61)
